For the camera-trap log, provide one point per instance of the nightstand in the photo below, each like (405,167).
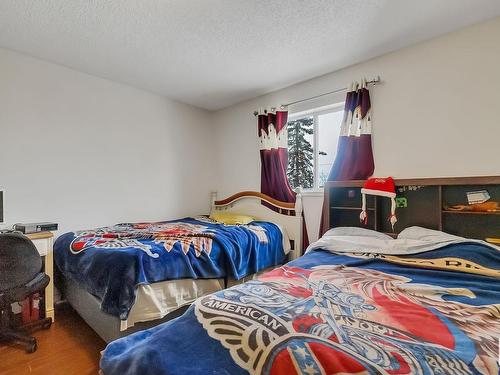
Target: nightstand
(43,242)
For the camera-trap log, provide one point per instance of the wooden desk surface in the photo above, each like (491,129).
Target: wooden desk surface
(40,235)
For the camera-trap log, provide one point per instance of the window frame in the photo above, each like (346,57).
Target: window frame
(315,113)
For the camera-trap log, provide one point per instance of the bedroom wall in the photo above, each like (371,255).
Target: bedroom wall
(84,151)
(436,113)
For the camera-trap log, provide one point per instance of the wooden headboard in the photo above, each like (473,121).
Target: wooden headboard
(424,202)
(287,215)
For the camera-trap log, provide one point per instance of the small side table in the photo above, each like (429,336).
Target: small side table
(43,242)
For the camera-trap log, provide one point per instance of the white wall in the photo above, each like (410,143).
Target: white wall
(436,114)
(84,151)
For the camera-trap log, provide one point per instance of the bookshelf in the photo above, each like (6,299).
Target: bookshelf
(426,200)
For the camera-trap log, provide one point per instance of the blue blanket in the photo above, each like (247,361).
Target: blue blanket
(110,262)
(431,313)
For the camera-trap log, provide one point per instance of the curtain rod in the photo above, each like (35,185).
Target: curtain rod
(374,81)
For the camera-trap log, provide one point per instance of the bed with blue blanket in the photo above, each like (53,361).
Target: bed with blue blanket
(358,302)
(111,263)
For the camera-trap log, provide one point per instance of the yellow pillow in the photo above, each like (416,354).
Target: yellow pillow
(230,219)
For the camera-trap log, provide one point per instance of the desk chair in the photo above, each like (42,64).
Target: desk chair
(21,275)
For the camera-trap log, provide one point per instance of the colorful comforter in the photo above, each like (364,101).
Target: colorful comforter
(110,262)
(436,312)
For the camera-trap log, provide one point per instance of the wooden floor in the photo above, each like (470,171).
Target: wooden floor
(68,347)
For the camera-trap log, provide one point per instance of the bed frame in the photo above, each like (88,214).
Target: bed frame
(287,215)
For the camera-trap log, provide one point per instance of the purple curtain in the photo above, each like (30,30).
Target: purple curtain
(273,138)
(354,160)
(274,156)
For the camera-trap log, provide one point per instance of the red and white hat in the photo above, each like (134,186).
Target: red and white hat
(383,187)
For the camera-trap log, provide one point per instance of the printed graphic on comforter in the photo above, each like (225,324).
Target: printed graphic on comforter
(110,262)
(435,312)
(334,319)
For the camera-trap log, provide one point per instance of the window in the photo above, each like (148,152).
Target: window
(312,145)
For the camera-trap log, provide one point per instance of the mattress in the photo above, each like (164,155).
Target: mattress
(105,325)
(156,304)
(156,300)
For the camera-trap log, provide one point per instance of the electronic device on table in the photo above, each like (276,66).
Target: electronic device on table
(35,227)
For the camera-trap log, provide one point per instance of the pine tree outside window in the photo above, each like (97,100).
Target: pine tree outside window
(312,145)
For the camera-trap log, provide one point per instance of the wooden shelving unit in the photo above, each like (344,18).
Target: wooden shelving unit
(471,212)
(392,234)
(426,198)
(351,208)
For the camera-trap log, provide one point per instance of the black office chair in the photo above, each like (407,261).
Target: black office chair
(21,275)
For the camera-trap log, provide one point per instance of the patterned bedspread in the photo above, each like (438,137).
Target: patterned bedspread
(110,262)
(436,312)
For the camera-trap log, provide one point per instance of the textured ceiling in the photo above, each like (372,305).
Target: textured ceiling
(214,53)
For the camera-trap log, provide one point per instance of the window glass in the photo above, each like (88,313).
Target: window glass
(312,146)
(301,152)
(328,136)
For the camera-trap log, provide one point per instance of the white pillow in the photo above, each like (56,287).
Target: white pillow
(412,240)
(352,239)
(358,232)
(428,235)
